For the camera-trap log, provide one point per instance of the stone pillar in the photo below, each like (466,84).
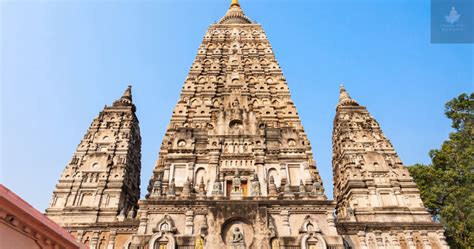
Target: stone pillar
(171,193)
(442,239)
(331,222)
(362,243)
(426,241)
(394,239)
(72,199)
(80,234)
(190,168)
(409,238)
(283,174)
(113,235)
(143,222)
(94,239)
(285,218)
(98,196)
(400,198)
(259,167)
(374,201)
(166,174)
(378,238)
(214,172)
(188,230)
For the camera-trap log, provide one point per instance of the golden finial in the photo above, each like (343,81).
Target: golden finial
(235,2)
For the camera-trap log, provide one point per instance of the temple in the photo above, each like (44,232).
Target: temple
(235,168)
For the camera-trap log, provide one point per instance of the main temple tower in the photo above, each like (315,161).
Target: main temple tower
(235,169)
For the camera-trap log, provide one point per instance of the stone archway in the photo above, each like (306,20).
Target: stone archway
(312,238)
(162,240)
(313,241)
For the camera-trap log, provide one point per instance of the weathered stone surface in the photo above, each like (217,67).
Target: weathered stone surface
(235,168)
(378,204)
(101,184)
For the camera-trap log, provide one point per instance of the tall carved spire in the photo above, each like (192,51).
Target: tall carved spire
(235,112)
(103,175)
(371,185)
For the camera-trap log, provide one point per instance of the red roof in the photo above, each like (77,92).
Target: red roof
(23,211)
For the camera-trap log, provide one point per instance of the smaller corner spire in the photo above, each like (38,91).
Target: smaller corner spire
(344,98)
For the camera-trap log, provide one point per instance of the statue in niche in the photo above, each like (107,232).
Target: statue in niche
(199,243)
(201,188)
(216,188)
(317,188)
(275,243)
(302,188)
(272,189)
(157,187)
(171,188)
(164,227)
(236,103)
(226,148)
(237,237)
(255,185)
(236,185)
(350,213)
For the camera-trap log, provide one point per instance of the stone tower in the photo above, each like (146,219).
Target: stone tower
(101,184)
(378,204)
(235,169)
(235,113)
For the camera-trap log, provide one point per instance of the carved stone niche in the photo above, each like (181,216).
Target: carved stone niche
(163,237)
(237,234)
(312,237)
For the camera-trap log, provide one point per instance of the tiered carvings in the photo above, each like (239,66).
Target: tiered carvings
(234,113)
(102,180)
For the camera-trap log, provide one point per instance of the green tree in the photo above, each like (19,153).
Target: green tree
(446,186)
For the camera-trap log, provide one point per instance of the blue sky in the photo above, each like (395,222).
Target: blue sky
(62,61)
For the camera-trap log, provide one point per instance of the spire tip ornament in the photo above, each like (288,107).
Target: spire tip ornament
(126,98)
(235,2)
(235,15)
(344,98)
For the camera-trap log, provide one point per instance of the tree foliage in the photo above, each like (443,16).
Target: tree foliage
(446,186)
